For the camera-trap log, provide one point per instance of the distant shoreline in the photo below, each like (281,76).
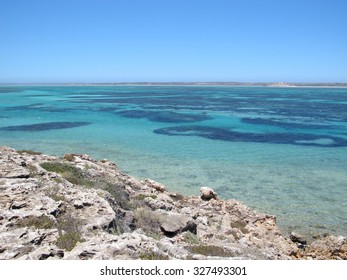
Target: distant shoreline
(275,85)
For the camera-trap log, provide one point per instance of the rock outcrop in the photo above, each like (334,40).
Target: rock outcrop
(77,207)
(207,193)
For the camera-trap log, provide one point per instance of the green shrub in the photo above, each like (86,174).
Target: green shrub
(142,196)
(69,229)
(138,200)
(42,222)
(150,255)
(32,169)
(149,221)
(53,193)
(119,194)
(241,225)
(210,250)
(29,152)
(71,173)
(191,238)
(69,223)
(58,180)
(79,177)
(68,241)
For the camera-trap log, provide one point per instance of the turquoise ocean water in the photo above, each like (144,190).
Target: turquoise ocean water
(282,151)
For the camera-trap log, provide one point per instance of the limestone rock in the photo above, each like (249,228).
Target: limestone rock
(207,193)
(105,246)
(12,171)
(327,248)
(177,223)
(155,204)
(45,252)
(295,237)
(155,185)
(40,207)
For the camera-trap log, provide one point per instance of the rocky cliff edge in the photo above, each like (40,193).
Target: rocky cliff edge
(77,207)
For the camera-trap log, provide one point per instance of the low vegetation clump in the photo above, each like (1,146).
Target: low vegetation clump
(241,225)
(58,180)
(139,202)
(32,169)
(210,250)
(42,222)
(29,152)
(68,241)
(191,238)
(151,255)
(69,229)
(78,176)
(148,221)
(142,196)
(119,194)
(71,173)
(54,194)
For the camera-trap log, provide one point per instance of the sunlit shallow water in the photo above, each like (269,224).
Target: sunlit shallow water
(279,150)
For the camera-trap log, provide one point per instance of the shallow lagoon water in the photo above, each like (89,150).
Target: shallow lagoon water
(279,150)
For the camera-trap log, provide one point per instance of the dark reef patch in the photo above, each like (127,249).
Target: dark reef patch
(44,126)
(234,136)
(139,101)
(282,124)
(163,116)
(107,109)
(133,114)
(42,107)
(9,89)
(310,103)
(56,109)
(38,95)
(24,107)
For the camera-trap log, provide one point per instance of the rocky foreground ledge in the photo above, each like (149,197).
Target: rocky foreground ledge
(77,207)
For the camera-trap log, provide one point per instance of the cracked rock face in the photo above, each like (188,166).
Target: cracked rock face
(176,223)
(80,208)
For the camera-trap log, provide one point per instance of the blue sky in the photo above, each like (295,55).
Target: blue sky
(173,40)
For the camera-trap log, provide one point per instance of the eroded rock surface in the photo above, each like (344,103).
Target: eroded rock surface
(77,207)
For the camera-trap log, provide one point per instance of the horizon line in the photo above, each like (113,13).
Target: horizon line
(282,83)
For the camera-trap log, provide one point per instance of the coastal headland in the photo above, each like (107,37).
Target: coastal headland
(77,207)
